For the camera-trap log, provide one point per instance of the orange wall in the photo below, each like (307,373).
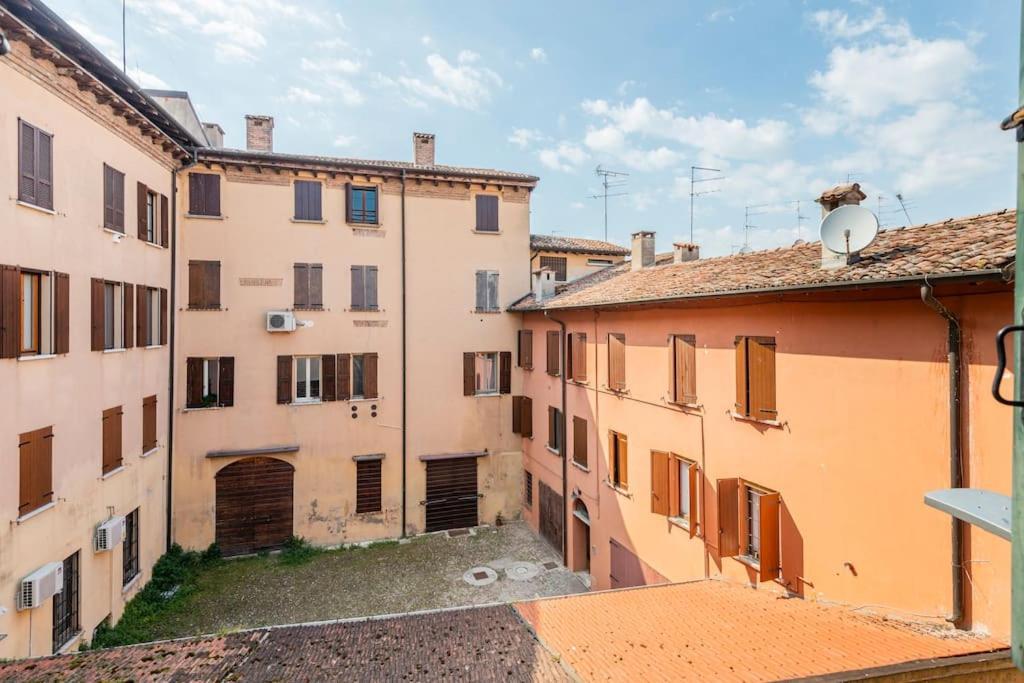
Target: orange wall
(862,397)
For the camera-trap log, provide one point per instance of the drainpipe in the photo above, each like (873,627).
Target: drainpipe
(561,444)
(405,403)
(955,450)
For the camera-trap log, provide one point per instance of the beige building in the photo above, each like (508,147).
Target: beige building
(88,165)
(570,258)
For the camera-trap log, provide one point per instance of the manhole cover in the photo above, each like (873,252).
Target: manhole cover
(522,571)
(480,576)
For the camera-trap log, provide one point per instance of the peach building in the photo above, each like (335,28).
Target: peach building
(764,419)
(88,164)
(570,258)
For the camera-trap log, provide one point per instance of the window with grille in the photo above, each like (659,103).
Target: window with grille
(362,205)
(65,606)
(368,484)
(528,488)
(557,264)
(130,549)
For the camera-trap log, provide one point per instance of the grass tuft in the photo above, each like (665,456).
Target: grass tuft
(297,550)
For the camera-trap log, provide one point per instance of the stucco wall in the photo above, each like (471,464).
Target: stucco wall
(576,265)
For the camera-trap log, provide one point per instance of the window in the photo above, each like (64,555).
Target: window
(579,441)
(109,315)
(65,606)
(554,428)
(153,219)
(148,424)
(309,285)
(617,361)
(113,199)
(486,213)
(683,359)
(307,379)
(210,382)
(362,205)
(156,307)
(576,357)
(755,378)
(527,488)
(599,262)
(357,376)
(358,386)
(555,263)
(522,416)
(525,350)
(112,456)
(486,373)
(130,549)
(308,206)
(364,288)
(675,489)
(618,460)
(31,313)
(553,363)
(204,194)
(34,316)
(753,544)
(487,291)
(368,484)
(748,518)
(35,166)
(35,470)
(204,284)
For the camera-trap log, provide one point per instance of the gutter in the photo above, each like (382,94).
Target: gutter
(561,442)
(405,402)
(954,345)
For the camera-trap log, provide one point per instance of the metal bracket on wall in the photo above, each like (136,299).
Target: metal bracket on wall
(1001,366)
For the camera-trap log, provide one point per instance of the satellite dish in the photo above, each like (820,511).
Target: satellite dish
(848,229)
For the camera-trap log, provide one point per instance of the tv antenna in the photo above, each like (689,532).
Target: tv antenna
(610,180)
(800,218)
(694,194)
(903,205)
(124,36)
(748,226)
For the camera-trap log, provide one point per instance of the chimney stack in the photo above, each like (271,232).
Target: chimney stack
(543,284)
(423,149)
(643,250)
(214,134)
(259,133)
(840,195)
(685,251)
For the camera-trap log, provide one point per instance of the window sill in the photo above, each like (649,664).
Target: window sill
(487,232)
(38,511)
(552,451)
(369,226)
(618,489)
(204,308)
(196,409)
(131,583)
(365,310)
(481,311)
(686,406)
(38,356)
(749,561)
(680,522)
(122,350)
(307,402)
(114,231)
(202,217)
(618,392)
(361,399)
(154,245)
(35,207)
(580,467)
(111,473)
(66,647)
(154,346)
(746,418)
(310,221)
(150,452)
(579,383)
(487,394)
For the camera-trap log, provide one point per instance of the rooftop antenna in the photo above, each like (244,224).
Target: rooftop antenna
(748,226)
(608,184)
(693,194)
(124,36)
(903,205)
(800,218)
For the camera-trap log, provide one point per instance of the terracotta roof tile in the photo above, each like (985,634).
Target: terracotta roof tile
(575,245)
(983,243)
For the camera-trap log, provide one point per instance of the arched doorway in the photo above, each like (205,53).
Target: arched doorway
(254,505)
(581,537)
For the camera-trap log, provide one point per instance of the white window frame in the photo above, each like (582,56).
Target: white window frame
(308,363)
(480,366)
(600,262)
(46,308)
(752,507)
(211,379)
(153,227)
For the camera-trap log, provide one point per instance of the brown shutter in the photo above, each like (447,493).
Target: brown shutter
(61,315)
(108,197)
(148,424)
(211,284)
(163,316)
(468,373)
(769,560)
(27,163)
(316,285)
(141,195)
(358,288)
(165,224)
(44,170)
(27,496)
(659,483)
(111,439)
(694,482)
(348,202)
(686,368)
(368,486)
(226,381)
(517,414)
(142,316)
(526,418)
(552,352)
(35,469)
(742,396)
(728,517)
(212,194)
(761,370)
(301,285)
(284,379)
(345,376)
(329,383)
(487,213)
(97,314)
(526,349)
(128,311)
(616,361)
(196,282)
(370,375)
(118,180)
(193,382)
(196,194)
(623,444)
(10,311)
(579,440)
(552,428)
(579,357)
(505,372)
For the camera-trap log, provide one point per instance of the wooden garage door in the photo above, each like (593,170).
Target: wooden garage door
(254,505)
(451,494)
(629,570)
(552,516)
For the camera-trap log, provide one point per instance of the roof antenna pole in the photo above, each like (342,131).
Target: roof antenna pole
(124,39)
(693,180)
(899,197)
(605,174)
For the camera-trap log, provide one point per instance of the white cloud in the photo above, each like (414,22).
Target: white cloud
(835,23)
(464,84)
(331,65)
(524,137)
(564,157)
(625,87)
(468,57)
(344,140)
(303,96)
(576,205)
(427,41)
(146,79)
(538,54)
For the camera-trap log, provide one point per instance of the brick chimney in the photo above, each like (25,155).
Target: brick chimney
(840,195)
(423,149)
(685,251)
(214,134)
(259,133)
(643,250)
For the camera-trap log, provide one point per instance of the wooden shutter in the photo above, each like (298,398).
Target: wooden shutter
(345,376)
(370,375)
(329,382)
(35,469)
(212,194)
(128,312)
(165,224)
(148,424)
(659,482)
(97,314)
(487,213)
(196,283)
(118,187)
(368,486)
(579,357)
(284,379)
(142,194)
(348,202)
(526,417)
(770,556)
(468,373)
(481,290)
(684,368)
(526,349)
(196,194)
(44,169)
(623,460)
(694,482)
(111,213)
(111,439)
(142,316)
(61,314)
(742,395)
(552,427)
(616,361)
(517,414)
(371,288)
(728,517)
(761,374)
(552,352)
(10,311)
(301,285)
(26,490)
(193,382)
(163,316)
(316,285)
(211,284)
(358,288)
(505,372)
(307,200)
(226,381)
(579,440)
(27,163)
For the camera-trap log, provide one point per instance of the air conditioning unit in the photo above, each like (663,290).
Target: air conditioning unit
(40,585)
(109,534)
(280,321)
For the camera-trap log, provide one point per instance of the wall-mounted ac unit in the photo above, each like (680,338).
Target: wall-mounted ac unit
(280,321)
(109,534)
(40,585)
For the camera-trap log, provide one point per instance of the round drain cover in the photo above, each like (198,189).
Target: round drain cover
(480,576)
(522,571)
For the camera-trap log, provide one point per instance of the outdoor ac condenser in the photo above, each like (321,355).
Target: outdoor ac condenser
(109,534)
(280,321)
(40,585)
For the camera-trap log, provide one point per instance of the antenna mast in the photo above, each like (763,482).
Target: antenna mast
(903,205)
(609,181)
(124,36)
(693,194)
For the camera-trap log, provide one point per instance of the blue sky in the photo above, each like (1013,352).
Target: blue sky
(787,98)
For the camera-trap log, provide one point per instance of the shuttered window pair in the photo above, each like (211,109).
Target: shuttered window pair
(113,198)
(368,483)
(148,424)
(35,470)
(204,284)
(487,213)
(309,285)
(525,349)
(579,441)
(210,382)
(755,378)
(130,549)
(204,194)
(34,312)
(554,364)
(522,416)
(748,520)
(675,489)
(618,460)
(153,221)
(556,264)
(487,291)
(35,166)
(361,205)
(683,369)
(576,357)
(364,288)
(328,377)
(112,451)
(487,372)
(554,429)
(308,204)
(617,361)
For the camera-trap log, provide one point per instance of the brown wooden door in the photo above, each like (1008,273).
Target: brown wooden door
(254,505)
(452,495)
(552,516)
(626,570)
